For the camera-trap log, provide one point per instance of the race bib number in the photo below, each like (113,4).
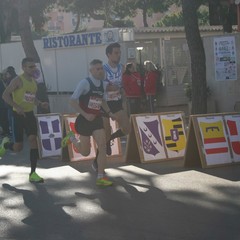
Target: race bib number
(94,103)
(113,95)
(29,97)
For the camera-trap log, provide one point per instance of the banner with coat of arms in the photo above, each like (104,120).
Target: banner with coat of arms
(233,128)
(49,134)
(159,136)
(213,140)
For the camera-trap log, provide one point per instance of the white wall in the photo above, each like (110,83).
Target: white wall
(63,68)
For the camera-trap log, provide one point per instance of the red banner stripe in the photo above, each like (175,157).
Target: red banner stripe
(214,140)
(232,127)
(217,150)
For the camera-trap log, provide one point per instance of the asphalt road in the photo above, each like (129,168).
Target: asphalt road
(153,201)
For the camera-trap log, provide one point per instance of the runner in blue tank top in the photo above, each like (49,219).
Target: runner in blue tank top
(115,95)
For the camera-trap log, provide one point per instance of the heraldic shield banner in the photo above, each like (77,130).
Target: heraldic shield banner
(213,140)
(156,137)
(49,135)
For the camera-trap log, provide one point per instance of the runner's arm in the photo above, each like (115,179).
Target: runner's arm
(7,94)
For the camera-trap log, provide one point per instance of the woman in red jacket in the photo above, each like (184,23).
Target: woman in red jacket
(132,85)
(150,83)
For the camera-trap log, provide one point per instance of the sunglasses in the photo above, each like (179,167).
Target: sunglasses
(32,66)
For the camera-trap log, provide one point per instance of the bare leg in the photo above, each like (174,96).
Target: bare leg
(83,146)
(107,127)
(123,121)
(100,139)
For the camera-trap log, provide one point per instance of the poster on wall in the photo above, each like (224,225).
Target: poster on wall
(214,139)
(225,58)
(150,137)
(174,134)
(233,128)
(49,135)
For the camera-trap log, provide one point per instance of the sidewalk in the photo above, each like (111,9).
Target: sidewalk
(157,201)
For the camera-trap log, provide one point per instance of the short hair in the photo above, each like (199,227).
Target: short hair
(128,66)
(95,62)
(27,60)
(11,71)
(111,46)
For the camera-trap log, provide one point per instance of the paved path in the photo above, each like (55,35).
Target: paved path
(157,201)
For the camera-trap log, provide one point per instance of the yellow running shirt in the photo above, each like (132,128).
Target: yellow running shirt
(25,96)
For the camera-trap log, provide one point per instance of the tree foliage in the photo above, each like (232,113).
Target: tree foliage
(8,20)
(110,11)
(9,16)
(176,19)
(19,13)
(152,6)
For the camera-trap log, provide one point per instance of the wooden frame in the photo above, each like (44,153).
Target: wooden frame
(156,137)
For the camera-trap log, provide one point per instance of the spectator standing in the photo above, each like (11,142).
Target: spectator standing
(8,75)
(150,84)
(132,81)
(3,110)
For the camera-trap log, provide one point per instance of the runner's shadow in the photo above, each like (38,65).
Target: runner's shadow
(46,217)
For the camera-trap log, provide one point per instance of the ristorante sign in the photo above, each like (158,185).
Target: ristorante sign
(81,39)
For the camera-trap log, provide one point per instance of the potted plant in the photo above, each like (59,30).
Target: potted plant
(188,91)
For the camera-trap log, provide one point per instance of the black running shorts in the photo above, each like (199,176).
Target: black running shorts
(22,123)
(85,127)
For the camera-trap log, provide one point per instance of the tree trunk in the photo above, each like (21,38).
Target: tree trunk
(5,22)
(78,22)
(107,20)
(197,53)
(145,24)
(29,48)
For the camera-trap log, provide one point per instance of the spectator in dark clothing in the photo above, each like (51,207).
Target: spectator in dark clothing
(5,110)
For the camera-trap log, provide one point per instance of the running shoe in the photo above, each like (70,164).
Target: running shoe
(67,139)
(2,148)
(2,151)
(104,182)
(4,141)
(35,178)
